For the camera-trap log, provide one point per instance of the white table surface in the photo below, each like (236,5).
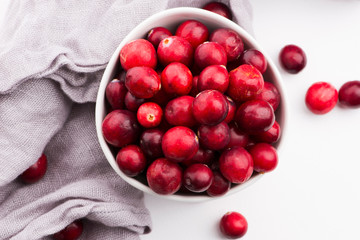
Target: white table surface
(314,193)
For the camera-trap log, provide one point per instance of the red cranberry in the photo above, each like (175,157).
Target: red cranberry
(131,160)
(219,186)
(179,112)
(210,107)
(231,111)
(194,90)
(176,79)
(321,98)
(115,94)
(149,115)
(162,98)
(214,77)
(36,171)
(164,177)
(197,177)
(210,53)
(236,165)
(255,116)
(270,136)
(133,103)
(255,58)
(292,58)
(120,128)
(157,34)
(142,82)
(237,137)
(71,232)
(245,82)
(233,225)
(138,53)
(219,8)
(230,41)
(270,94)
(204,156)
(193,31)
(264,156)
(349,94)
(150,143)
(179,143)
(214,137)
(175,49)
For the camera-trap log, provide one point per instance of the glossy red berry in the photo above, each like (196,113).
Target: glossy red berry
(194,90)
(231,111)
(219,186)
(214,137)
(139,52)
(149,115)
(176,78)
(237,137)
(142,82)
(175,49)
(179,112)
(219,8)
(270,94)
(264,156)
(150,143)
(115,94)
(197,177)
(131,160)
(233,225)
(133,103)
(270,136)
(36,171)
(255,58)
(210,53)
(214,77)
(204,156)
(157,34)
(349,94)
(71,232)
(292,58)
(193,31)
(230,41)
(321,97)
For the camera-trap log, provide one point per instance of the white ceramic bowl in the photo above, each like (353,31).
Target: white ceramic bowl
(171,19)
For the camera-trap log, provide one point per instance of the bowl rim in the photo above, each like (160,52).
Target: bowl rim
(190,12)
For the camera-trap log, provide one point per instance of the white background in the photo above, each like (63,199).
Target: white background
(314,193)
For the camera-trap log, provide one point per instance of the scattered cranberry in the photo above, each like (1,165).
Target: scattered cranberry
(149,115)
(321,98)
(236,165)
(193,31)
(210,107)
(175,49)
(231,111)
(214,137)
(349,94)
(210,53)
(142,82)
(245,82)
(233,225)
(270,136)
(270,94)
(194,90)
(36,171)
(133,103)
(156,35)
(197,177)
(139,52)
(115,94)
(292,58)
(237,137)
(255,116)
(264,156)
(164,177)
(204,156)
(120,128)
(176,78)
(179,112)
(219,186)
(150,143)
(179,143)
(255,58)
(71,232)
(219,8)
(131,160)
(230,41)
(214,77)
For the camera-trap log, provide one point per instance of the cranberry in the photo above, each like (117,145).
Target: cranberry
(150,143)
(164,177)
(179,143)
(133,103)
(210,107)
(204,156)
(219,8)
(157,34)
(115,94)
(214,137)
(175,49)
(197,177)
(270,94)
(36,171)
(264,156)
(230,41)
(194,90)
(245,82)
(179,112)
(255,58)
(349,94)
(162,97)
(219,186)
(142,82)
(233,225)
(236,165)
(237,137)
(214,77)
(138,53)
(193,31)
(120,128)
(292,58)
(70,232)
(321,98)
(176,79)
(255,116)
(270,136)
(131,160)
(231,111)
(210,53)
(149,115)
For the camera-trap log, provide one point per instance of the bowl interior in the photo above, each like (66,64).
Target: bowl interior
(171,19)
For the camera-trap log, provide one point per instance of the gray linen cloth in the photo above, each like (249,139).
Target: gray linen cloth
(52,56)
